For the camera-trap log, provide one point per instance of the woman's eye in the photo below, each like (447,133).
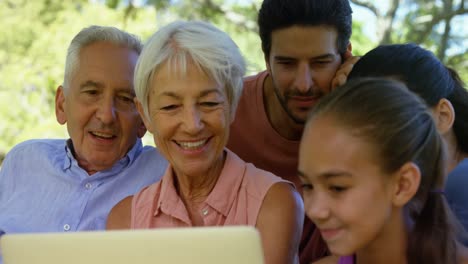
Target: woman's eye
(169,107)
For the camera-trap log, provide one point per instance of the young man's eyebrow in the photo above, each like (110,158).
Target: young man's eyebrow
(324,56)
(283,58)
(319,57)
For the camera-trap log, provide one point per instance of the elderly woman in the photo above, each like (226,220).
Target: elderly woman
(188,81)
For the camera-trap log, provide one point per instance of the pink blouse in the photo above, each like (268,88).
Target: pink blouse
(235,200)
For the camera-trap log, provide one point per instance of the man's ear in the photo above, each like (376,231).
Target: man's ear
(406,184)
(141,129)
(145,124)
(348,53)
(60,102)
(267,64)
(444,116)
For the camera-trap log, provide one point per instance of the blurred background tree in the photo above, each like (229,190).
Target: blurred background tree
(34,36)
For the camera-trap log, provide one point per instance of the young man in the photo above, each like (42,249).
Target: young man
(304,43)
(58,185)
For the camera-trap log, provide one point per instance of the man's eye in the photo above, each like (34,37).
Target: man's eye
(286,63)
(306,187)
(127,99)
(90,92)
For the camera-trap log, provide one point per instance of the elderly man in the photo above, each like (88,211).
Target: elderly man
(58,185)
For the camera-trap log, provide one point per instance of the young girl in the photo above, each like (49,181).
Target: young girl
(372,166)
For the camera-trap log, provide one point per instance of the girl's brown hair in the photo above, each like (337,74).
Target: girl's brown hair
(400,127)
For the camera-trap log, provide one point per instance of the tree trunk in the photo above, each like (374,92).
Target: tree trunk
(448,7)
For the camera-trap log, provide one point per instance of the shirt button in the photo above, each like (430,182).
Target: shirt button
(66,227)
(205,212)
(88,185)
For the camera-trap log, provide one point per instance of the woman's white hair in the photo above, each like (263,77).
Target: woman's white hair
(93,34)
(182,42)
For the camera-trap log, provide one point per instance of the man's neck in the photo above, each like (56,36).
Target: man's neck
(454,154)
(278,118)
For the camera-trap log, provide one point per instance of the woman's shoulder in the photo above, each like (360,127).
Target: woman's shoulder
(120,215)
(251,174)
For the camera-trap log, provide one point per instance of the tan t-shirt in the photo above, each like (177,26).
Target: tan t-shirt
(253,138)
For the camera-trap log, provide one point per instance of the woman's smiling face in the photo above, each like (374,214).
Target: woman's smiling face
(189,119)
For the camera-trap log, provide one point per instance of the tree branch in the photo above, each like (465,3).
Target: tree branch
(437,19)
(461,11)
(388,22)
(236,18)
(367,5)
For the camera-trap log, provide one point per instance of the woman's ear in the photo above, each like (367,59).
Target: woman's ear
(444,116)
(146,125)
(407,180)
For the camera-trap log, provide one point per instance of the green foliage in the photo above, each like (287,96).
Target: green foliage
(438,26)
(34,37)
(35,34)
(361,43)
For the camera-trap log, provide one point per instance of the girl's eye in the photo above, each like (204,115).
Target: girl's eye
(306,187)
(337,189)
(209,104)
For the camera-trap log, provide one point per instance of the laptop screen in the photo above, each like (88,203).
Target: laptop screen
(237,244)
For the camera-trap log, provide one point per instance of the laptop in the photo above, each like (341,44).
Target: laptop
(207,245)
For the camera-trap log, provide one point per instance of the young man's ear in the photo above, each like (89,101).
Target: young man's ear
(349,52)
(347,64)
(444,116)
(60,103)
(406,184)
(267,64)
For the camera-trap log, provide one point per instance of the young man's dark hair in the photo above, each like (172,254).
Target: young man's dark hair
(279,14)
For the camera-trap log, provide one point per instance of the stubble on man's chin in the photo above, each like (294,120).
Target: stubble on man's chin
(284,104)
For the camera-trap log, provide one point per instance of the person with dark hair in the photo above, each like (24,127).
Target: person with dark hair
(304,43)
(372,166)
(457,179)
(443,92)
